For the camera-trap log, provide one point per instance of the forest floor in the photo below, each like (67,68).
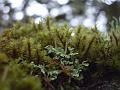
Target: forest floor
(110,80)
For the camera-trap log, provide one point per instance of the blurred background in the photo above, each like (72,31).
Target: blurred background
(75,12)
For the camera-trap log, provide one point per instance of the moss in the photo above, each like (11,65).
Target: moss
(25,44)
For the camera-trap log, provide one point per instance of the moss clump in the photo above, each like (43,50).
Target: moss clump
(27,62)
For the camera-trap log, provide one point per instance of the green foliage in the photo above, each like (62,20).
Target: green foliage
(66,60)
(31,53)
(14,77)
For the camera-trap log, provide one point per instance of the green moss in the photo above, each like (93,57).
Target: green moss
(25,44)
